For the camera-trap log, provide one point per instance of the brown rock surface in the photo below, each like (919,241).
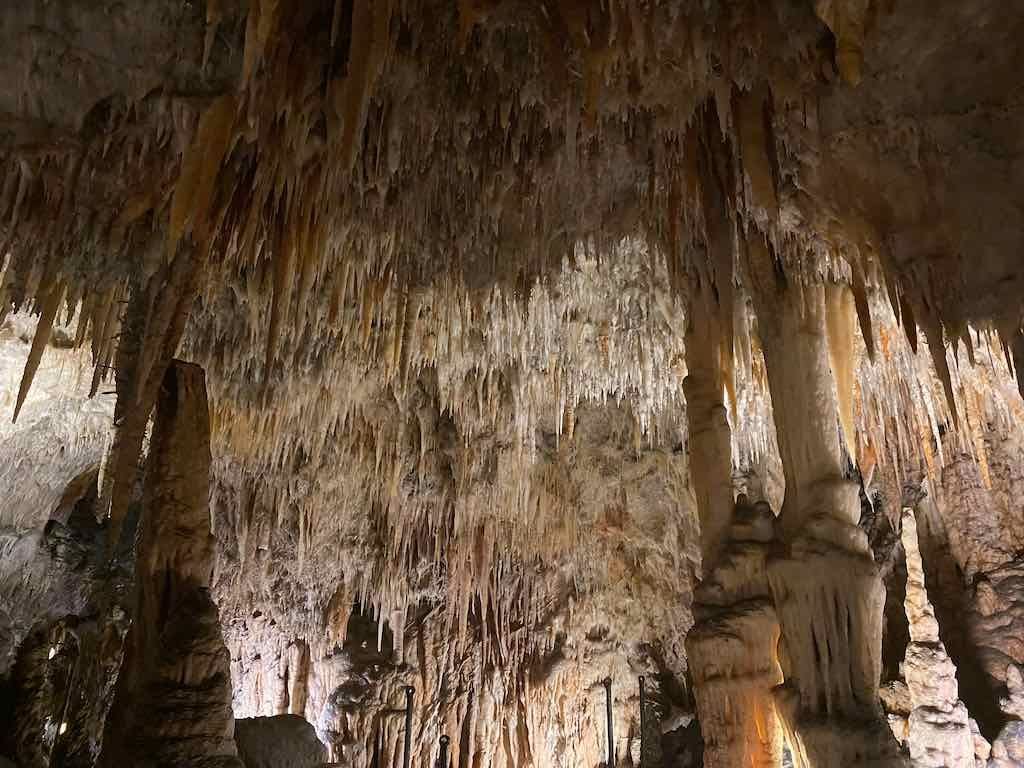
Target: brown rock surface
(173,700)
(282,741)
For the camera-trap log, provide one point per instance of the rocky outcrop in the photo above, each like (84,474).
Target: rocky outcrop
(173,700)
(996,618)
(1008,748)
(282,741)
(939,732)
(61,682)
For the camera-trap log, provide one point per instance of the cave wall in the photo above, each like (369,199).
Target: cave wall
(533,648)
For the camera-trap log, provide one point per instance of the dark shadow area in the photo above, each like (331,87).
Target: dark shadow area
(950,598)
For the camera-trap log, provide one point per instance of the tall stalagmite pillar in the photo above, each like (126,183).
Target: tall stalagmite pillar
(173,700)
(732,647)
(828,595)
(940,726)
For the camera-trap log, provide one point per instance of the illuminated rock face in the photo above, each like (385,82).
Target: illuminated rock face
(939,731)
(546,343)
(732,649)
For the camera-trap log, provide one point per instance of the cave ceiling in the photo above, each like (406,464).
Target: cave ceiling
(442,264)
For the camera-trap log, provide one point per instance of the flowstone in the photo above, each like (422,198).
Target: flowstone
(732,650)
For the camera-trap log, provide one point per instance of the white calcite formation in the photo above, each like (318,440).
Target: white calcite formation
(533,667)
(939,731)
(830,650)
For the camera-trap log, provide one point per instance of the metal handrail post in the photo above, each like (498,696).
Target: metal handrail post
(611,733)
(407,755)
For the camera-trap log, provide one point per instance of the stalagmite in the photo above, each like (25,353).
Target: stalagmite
(173,700)
(940,733)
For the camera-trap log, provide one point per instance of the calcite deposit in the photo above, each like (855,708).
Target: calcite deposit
(506,383)
(939,731)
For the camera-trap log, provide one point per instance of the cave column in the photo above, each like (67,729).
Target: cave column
(732,647)
(828,594)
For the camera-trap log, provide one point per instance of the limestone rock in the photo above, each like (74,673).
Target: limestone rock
(939,730)
(282,741)
(732,648)
(495,300)
(1008,748)
(173,701)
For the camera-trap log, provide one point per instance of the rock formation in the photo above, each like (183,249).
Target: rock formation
(532,348)
(831,626)
(939,728)
(283,741)
(732,649)
(1008,748)
(173,700)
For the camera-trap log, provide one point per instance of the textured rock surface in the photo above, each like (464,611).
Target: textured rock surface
(497,300)
(732,649)
(1008,748)
(939,730)
(282,741)
(67,607)
(173,700)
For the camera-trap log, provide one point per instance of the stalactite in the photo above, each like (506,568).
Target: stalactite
(1016,342)
(150,332)
(839,319)
(862,303)
(193,194)
(711,466)
(48,312)
(751,109)
(847,20)
(796,358)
